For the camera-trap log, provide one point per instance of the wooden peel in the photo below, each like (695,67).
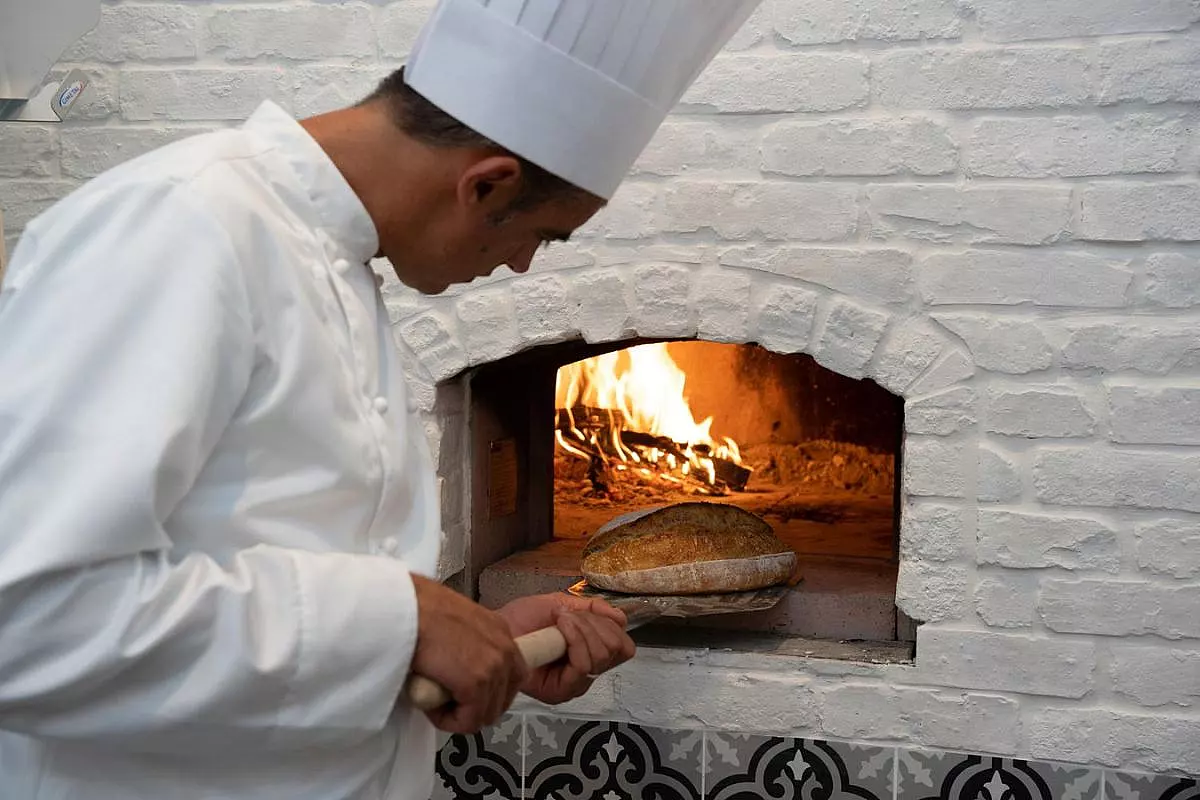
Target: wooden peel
(545,646)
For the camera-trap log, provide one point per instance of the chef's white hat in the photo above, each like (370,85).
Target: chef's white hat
(578,87)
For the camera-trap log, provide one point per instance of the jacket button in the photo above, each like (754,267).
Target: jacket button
(389,546)
(341,265)
(381,405)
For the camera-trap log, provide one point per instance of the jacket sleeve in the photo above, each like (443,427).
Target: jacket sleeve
(126,345)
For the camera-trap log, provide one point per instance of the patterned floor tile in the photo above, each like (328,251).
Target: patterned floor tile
(586,760)
(481,766)
(934,775)
(1130,786)
(745,767)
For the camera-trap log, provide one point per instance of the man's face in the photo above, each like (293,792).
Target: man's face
(482,232)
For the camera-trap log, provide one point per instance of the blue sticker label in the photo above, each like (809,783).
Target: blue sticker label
(69,94)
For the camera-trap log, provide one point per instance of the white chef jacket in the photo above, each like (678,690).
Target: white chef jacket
(212,489)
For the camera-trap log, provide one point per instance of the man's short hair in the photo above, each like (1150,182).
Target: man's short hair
(427,123)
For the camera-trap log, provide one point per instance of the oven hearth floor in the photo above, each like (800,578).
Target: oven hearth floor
(837,598)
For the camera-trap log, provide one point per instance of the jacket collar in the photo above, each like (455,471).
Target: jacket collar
(341,212)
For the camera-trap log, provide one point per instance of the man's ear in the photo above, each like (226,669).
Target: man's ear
(490,184)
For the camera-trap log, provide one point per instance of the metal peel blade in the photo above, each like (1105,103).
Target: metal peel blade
(641,609)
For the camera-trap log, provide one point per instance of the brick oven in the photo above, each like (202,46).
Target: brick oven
(1009,252)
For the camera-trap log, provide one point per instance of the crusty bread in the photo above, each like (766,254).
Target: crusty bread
(687,548)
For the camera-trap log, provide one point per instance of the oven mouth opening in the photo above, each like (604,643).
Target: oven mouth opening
(563,438)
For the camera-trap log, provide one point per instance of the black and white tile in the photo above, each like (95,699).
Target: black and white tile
(482,766)
(1133,786)
(745,767)
(538,757)
(588,760)
(936,775)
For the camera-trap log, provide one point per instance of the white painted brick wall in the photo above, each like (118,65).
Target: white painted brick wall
(990,207)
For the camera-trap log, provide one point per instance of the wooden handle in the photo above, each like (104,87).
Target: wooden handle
(539,648)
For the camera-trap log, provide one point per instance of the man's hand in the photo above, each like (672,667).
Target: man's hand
(470,651)
(596,642)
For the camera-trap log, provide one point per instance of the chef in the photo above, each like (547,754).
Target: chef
(219,522)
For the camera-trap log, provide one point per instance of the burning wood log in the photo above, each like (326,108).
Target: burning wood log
(603,428)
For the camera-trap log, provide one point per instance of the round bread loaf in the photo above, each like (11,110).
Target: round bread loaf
(687,548)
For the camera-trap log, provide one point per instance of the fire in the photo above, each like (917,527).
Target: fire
(629,409)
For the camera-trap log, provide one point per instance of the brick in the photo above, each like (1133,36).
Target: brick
(859,147)
(201,93)
(630,214)
(829,21)
(1009,601)
(934,467)
(859,711)
(1101,477)
(932,532)
(660,296)
(1120,608)
(941,414)
(683,146)
(28,151)
(998,476)
(399,24)
(1016,20)
(981,215)
(1006,662)
(1155,675)
(976,722)
(1173,280)
(879,275)
(1032,541)
(1137,212)
(139,33)
(1038,412)
(1013,346)
(753,30)
(24,200)
(785,316)
(618,253)
(946,719)
(1081,280)
(604,315)
(781,82)
(100,100)
(324,88)
(1148,414)
(953,367)
(931,592)
(722,303)
(300,32)
(1155,743)
(488,324)
(848,337)
(87,152)
(1154,347)
(1016,77)
(544,312)
(562,255)
(766,701)
(1078,146)
(906,352)
(1159,70)
(431,338)
(772,210)
(1169,547)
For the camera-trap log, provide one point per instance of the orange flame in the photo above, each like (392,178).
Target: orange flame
(645,391)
